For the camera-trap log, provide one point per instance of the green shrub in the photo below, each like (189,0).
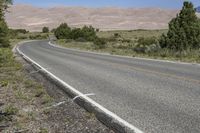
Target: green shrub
(29,83)
(147,45)
(4,31)
(81,39)
(99,43)
(43,130)
(117,35)
(39,91)
(11,110)
(110,39)
(126,40)
(19,94)
(22,37)
(46,99)
(38,36)
(67,40)
(4,38)
(76,33)
(141,49)
(6,57)
(4,83)
(18,33)
(45,30)
(147,41)
(22,31)
(87,33)
(147,48)
(63,32)
(97,30)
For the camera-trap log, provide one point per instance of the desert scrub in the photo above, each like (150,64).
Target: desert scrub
(7,59)
(20,94)
(39,91)
(4,83)
(46,99)
(28,83)
(11,110)
(90,115)
(43,130)
(100,43)
(31,115)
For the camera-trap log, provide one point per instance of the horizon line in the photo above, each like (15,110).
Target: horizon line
(94,7)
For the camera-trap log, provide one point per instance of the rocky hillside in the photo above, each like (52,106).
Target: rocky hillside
(109,18)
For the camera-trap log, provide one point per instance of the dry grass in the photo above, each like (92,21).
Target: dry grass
(132,34)
(21,106)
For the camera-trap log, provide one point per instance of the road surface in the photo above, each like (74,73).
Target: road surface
(154,96)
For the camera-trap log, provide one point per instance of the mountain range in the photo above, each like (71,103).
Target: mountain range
(105,18)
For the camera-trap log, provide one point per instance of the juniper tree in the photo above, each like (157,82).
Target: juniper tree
(184,30)
(4,40)
(63,31)
(45,29)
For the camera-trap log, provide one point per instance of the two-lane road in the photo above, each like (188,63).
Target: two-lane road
(154,96)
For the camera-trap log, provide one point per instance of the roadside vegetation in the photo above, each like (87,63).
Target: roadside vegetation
(21,96)
(18,91)
(45,30)
(23,34)
(180,42)
(84,34)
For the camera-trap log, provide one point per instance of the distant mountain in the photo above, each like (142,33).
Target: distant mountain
(198,9)
(107,18)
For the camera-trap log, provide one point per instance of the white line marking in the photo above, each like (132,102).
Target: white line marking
(56,105)
(90,94)
(106,111)
(148,59)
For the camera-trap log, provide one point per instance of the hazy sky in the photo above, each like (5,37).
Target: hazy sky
(102,3)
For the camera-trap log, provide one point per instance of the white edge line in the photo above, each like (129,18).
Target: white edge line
(157,60)
(114,116)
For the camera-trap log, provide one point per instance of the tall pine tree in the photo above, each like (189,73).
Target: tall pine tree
(184,30)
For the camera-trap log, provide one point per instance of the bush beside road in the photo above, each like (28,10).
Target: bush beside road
(134,44)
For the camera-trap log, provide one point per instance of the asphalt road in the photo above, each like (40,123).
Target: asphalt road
(154,96)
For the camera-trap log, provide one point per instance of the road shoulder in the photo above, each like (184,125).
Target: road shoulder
(31,103)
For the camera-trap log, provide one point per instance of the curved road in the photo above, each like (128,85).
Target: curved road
(154,96)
